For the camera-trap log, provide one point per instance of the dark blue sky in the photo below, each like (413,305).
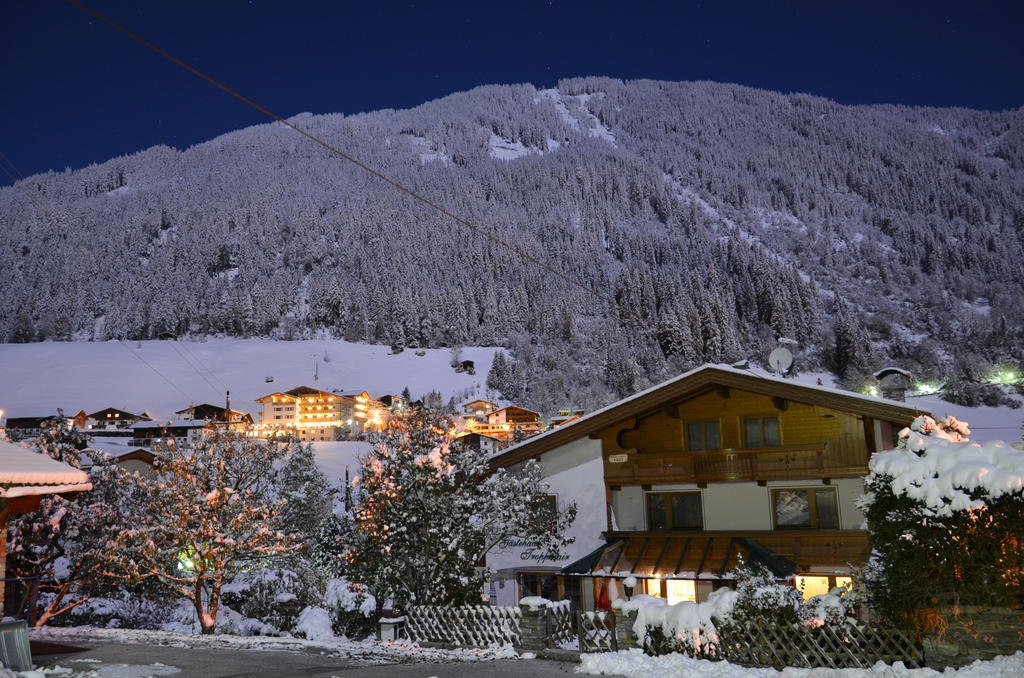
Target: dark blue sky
(74,91)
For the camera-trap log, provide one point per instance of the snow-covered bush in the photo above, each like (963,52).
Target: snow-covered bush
(314,623)
(946,517)
(351,606)
(274,596)
(760,598)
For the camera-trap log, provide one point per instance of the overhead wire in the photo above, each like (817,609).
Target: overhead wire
(201,364)
(4,162)
(159,373)
(194,368)
(341,154)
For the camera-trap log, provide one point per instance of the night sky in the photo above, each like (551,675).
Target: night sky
(74,91)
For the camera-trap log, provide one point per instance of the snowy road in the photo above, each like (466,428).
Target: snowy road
(110,660)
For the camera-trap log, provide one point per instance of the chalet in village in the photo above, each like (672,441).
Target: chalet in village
(677,484)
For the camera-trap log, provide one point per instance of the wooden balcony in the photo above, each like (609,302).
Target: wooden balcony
(699,553)
(761,464)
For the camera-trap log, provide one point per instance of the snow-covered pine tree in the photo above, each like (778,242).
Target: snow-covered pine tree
(428,512)
(211,514)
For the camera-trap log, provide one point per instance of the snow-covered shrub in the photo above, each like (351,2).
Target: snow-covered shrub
(685,627)
(825,609)
(946,518)
(123,609)
(352,608)
(314,623)
(268,594)
(760,598)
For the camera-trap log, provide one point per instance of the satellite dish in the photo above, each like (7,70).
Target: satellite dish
(780,360)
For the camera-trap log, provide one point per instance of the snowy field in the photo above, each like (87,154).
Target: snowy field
(161,377)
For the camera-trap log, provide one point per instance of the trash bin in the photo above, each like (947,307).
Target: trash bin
(14,650)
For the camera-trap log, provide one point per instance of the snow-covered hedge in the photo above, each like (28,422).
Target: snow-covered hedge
(946,518)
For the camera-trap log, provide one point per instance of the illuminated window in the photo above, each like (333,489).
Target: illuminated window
(652,587)
(674,511)
(703,435)
(761,432)
(680,590)
(808,508)
(818,585)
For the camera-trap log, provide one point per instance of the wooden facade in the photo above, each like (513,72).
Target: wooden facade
(704,470)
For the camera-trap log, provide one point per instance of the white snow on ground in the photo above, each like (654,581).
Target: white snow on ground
(635,664)
(366,651)
(503,149)
(93,668)
(39,378)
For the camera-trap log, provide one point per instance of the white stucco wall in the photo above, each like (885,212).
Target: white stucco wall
(574,472)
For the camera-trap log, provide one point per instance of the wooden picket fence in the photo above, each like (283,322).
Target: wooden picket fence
(467,625)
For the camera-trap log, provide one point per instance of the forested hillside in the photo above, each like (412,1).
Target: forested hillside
(719,218)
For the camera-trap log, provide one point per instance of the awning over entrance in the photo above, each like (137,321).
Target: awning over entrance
(697,556)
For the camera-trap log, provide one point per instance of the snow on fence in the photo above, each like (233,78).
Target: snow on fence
(828,646)
(467,625)
(560,630)
(597,631)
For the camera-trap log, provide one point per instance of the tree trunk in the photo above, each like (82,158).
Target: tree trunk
(207,622)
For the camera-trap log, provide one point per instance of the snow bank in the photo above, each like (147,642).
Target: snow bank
(635,664)
(935,465)
(315,624)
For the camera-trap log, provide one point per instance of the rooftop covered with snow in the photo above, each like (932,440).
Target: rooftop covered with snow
(699,378)
(25,472)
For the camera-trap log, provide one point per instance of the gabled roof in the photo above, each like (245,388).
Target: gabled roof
(113,410)
(515,408)
(691,383)
(478,400)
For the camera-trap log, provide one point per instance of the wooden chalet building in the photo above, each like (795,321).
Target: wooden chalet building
(508,423)
(678,483)
(113,419)
(214,413)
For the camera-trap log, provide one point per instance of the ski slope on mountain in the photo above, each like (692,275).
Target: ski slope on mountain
(161,377)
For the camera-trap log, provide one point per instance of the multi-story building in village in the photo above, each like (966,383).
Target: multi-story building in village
(311,414)
(675,485)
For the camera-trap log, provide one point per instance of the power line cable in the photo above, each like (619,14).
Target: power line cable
(4,162)
(341,154)
(194,369)
(201,364)
(161,374)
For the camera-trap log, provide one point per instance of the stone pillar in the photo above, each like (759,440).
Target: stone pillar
(533,628)
(624,635)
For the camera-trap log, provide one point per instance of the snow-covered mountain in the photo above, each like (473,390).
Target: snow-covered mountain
(717,217)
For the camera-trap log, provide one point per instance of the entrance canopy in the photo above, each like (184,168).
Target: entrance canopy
(698,556)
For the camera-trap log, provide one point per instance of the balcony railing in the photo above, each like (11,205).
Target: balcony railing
(767,463)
